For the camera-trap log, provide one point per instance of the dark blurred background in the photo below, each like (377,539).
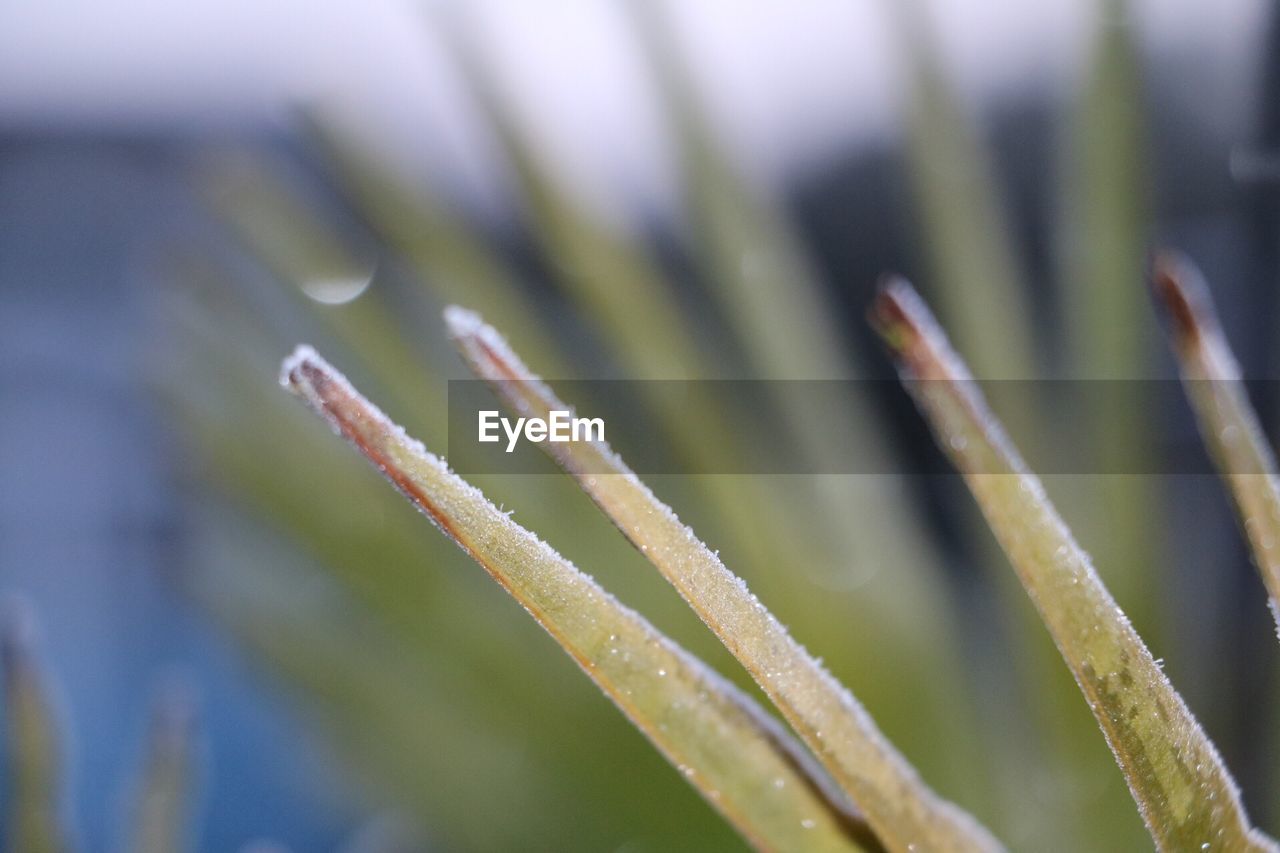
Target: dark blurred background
(165,169)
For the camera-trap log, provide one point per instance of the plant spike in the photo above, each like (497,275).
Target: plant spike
(163,800)
(748,247)
(903,811)
(32,815)
(743,764)
(1185,794)
(1106,185)
(1227,421)
(956,198)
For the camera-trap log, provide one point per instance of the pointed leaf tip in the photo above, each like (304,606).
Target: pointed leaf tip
(1181,292)
(462,321)
(296,366)
(914,338)
(484,348)
(893,313)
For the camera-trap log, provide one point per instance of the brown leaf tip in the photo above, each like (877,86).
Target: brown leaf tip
(907,326)
(304,369)
(1179,288)
(325,390)
(483,347)
(892,315)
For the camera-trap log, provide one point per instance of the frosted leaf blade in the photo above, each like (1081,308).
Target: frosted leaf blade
(900,808)
(33,817)
(1227,421)
(685,710)
(1185,793)
(162,810)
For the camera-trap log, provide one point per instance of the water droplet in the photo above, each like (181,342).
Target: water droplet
(338,288)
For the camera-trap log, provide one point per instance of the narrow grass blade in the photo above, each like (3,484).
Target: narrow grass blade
(898,805)
(1106,187)
(608,271)
(613,278)
(779,309)
(963,223)
(34,773)
(164,799)
(1185,793)
(1228,423)
(743,241)
(763,524)
(1102,246)
(768,289)
(687,711)
(975,274)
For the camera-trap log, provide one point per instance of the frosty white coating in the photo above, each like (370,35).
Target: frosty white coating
(1187,797)
(901,808)
(741,760)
